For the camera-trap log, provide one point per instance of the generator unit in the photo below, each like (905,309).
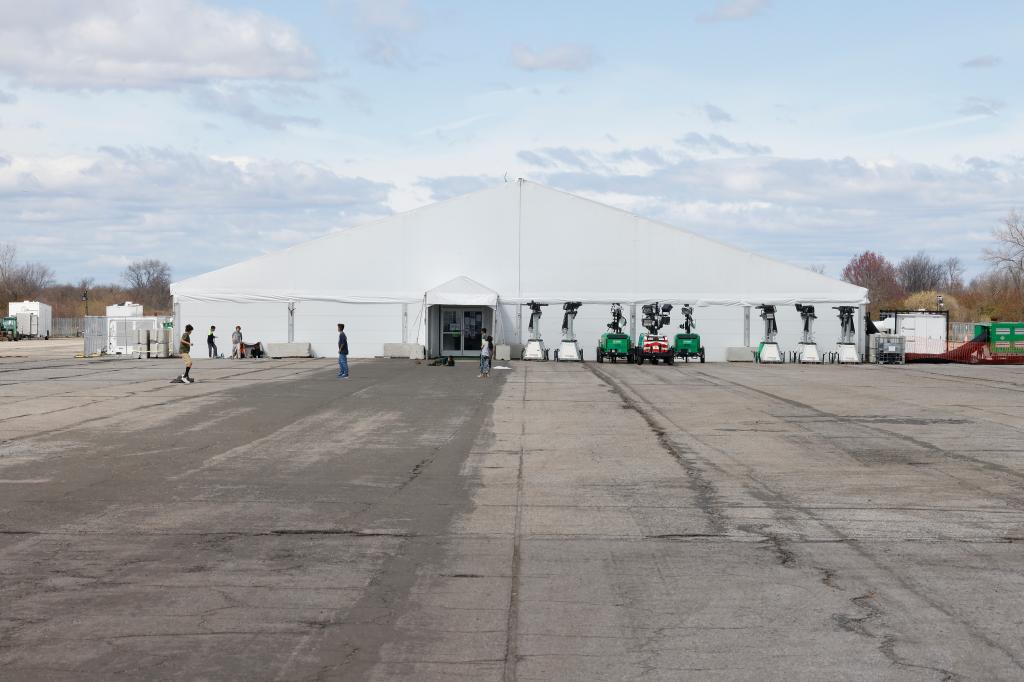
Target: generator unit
(615,344)
(688,342)
(652,345)
(1004,338)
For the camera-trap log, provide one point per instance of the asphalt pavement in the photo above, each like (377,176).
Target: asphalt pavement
(553,522)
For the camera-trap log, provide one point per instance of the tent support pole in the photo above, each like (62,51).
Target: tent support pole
(519,323)
(746,326)
(405,323)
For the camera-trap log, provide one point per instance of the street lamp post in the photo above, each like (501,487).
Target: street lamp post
(85,297)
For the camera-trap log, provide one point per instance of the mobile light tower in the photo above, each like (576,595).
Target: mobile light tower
(653,346)
(688,343)
(535,349)
(768,350)
(847,346)
(569,350)
(614,344)
(808,349)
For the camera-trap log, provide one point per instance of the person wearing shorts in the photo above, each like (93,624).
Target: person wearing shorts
(185,348)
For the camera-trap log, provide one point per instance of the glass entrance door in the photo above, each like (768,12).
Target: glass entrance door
(461,331)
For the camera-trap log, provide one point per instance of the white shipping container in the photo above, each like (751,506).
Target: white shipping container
(38,317)
(924,332)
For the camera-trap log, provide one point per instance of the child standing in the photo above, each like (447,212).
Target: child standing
(185,348)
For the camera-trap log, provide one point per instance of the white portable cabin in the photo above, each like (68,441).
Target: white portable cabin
(925,331)
(436,275)
(34,318)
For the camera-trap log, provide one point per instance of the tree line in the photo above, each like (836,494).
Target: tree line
(144,281)
(917,281)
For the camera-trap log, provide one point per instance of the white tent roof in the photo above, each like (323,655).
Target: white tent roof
(462,291)
(528,241)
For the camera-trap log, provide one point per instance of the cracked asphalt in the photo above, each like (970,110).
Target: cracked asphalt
(556,522)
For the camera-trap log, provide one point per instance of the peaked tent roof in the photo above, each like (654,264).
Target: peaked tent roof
(529,242)
(461,291)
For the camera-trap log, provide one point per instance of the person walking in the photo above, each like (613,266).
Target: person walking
(211,344)
(185,348)
(342,352)
(486,351)
(236,342)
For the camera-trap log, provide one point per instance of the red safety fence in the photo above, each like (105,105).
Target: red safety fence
(977,351)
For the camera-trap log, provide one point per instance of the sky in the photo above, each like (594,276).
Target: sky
(204,133)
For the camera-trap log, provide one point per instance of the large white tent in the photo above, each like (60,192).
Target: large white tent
(435,275)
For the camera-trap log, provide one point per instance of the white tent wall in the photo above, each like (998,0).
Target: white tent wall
(264,322)
(368,326)
(506,326)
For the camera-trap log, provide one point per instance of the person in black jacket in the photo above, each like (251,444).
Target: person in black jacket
(342,352)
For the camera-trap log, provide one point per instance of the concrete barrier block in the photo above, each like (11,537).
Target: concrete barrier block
(413,351)
(287,350)
(740,354)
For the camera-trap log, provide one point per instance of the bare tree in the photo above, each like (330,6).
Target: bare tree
(817,267)
(954,274)
(920,272)
(1008,254)
(149,282)
(21,281)
(8,264)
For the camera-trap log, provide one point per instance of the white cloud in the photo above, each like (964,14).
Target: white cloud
(194,211)
(239,102)
(112,44)
(716,144)
(457,185)
(717,114)
(983,62)
(980,106)
(560,58)
(386,26)
(396,16)
(8,97)
(734,10)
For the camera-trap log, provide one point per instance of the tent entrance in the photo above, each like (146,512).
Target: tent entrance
(460,329)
